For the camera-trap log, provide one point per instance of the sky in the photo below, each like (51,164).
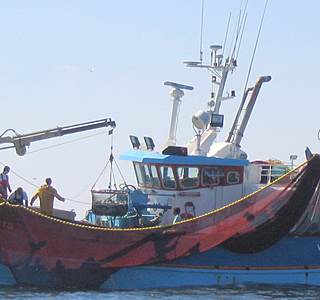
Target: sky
(68,62)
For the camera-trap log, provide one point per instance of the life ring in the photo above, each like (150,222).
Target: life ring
(186,216)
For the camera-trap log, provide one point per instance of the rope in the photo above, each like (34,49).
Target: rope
(31,152)
(111,161)
(155,227)
(104,168)
(37,187)
(20,176)
(75,140)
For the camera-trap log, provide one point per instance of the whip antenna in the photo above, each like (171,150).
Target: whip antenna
(256,44)
(225,38)
(201,32)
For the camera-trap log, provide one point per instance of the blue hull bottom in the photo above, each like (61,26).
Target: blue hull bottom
(6,277)
(294,260)
(159,277)
(291,261)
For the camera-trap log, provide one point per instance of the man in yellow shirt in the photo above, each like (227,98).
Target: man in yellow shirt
(46,194)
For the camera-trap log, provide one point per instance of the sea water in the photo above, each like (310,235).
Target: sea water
(240,292)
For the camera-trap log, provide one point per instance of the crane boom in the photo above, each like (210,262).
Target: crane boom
(21,141)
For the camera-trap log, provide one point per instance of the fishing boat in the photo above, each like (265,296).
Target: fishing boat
(227,204)
(44,250)
(204,176)
(239,221)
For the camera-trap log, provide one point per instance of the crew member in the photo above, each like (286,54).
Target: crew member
(4,181)
(46,194)
(18,196)
(176,212)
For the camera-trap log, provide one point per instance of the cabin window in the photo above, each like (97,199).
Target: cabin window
(155,177)
(211,176)
(146,175)
(167,177)
(138,174)
(233,177)
(270,173)
(188,177)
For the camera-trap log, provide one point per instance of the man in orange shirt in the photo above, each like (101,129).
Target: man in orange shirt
(46,194)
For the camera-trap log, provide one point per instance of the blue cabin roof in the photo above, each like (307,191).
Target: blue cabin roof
(158,158)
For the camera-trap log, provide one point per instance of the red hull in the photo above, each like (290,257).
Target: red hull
(41,250)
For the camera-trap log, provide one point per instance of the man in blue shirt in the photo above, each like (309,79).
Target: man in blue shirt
(176,212)
(18,196)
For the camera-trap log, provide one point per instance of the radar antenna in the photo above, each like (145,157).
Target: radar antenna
(176,93)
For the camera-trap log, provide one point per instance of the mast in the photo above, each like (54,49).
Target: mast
(200,145)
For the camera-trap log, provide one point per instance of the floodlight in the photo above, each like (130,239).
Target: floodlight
(135,142)
(149,142)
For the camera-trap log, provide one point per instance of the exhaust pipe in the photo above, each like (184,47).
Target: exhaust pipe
(249,108)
